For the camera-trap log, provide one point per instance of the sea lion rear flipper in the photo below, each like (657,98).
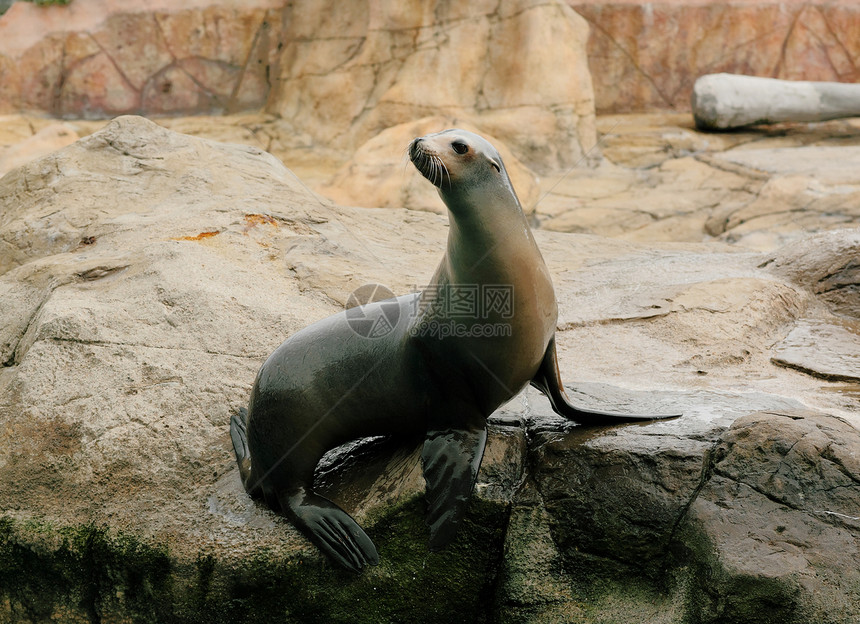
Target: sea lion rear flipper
(548,381)
(331,529)
(239,435)
(451,458)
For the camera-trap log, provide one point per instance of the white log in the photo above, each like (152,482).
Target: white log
(722,101)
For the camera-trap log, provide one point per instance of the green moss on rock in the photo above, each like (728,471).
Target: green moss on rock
(410,584)
(49,2)
(83,572)
(717,596)
(89,574)
(6,4)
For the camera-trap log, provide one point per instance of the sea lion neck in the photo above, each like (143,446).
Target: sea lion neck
(487,234)
(485,206)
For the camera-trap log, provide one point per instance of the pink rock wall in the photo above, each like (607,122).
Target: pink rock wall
(517,69)
(98,58)
(339,72)
(107,57)
(646,55)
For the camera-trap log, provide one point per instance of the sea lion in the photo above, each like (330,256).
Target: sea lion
(451,357)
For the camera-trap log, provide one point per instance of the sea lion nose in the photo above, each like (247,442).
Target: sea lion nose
(414,149)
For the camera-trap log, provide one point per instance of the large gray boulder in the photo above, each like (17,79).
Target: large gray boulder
(145,275)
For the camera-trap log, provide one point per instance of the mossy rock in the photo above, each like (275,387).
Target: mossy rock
(88,573)
(6,4)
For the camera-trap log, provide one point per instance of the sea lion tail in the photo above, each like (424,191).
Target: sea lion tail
(239,434)
(548,381)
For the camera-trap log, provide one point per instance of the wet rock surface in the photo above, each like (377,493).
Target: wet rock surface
(722,518)
(146,274)
(783,492)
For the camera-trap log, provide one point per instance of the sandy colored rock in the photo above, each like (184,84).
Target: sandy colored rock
(830,350)
(827,265)
(786,208)
(660,179)
(516,69)
(380,174)
(829,165)
(147,274)
(671,202)
(43,142)
(665,181)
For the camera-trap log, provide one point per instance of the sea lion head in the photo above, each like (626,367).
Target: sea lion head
(459,164)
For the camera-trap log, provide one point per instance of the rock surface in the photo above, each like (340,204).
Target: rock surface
(663,180)
(385,65)
(647,55)
(380,175)
(827,350)
(44,141)
(659,179)
(96,58)
(515,68)
(147,274)
(728,520)
(780,495)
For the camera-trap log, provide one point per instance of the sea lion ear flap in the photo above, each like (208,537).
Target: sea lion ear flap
(496,165)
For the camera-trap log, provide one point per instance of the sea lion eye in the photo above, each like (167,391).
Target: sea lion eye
(460,147)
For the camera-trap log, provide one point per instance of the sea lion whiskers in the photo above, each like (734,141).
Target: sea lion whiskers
(434,167)
(433,163)
(437,170)
(442,169)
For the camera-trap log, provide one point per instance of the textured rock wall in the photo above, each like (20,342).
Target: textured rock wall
(97,58)
(339,72)
(357,68)
(646,55)
(515,68)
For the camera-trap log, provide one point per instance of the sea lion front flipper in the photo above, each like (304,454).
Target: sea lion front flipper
(451,458)
(548,381)
(331,529)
